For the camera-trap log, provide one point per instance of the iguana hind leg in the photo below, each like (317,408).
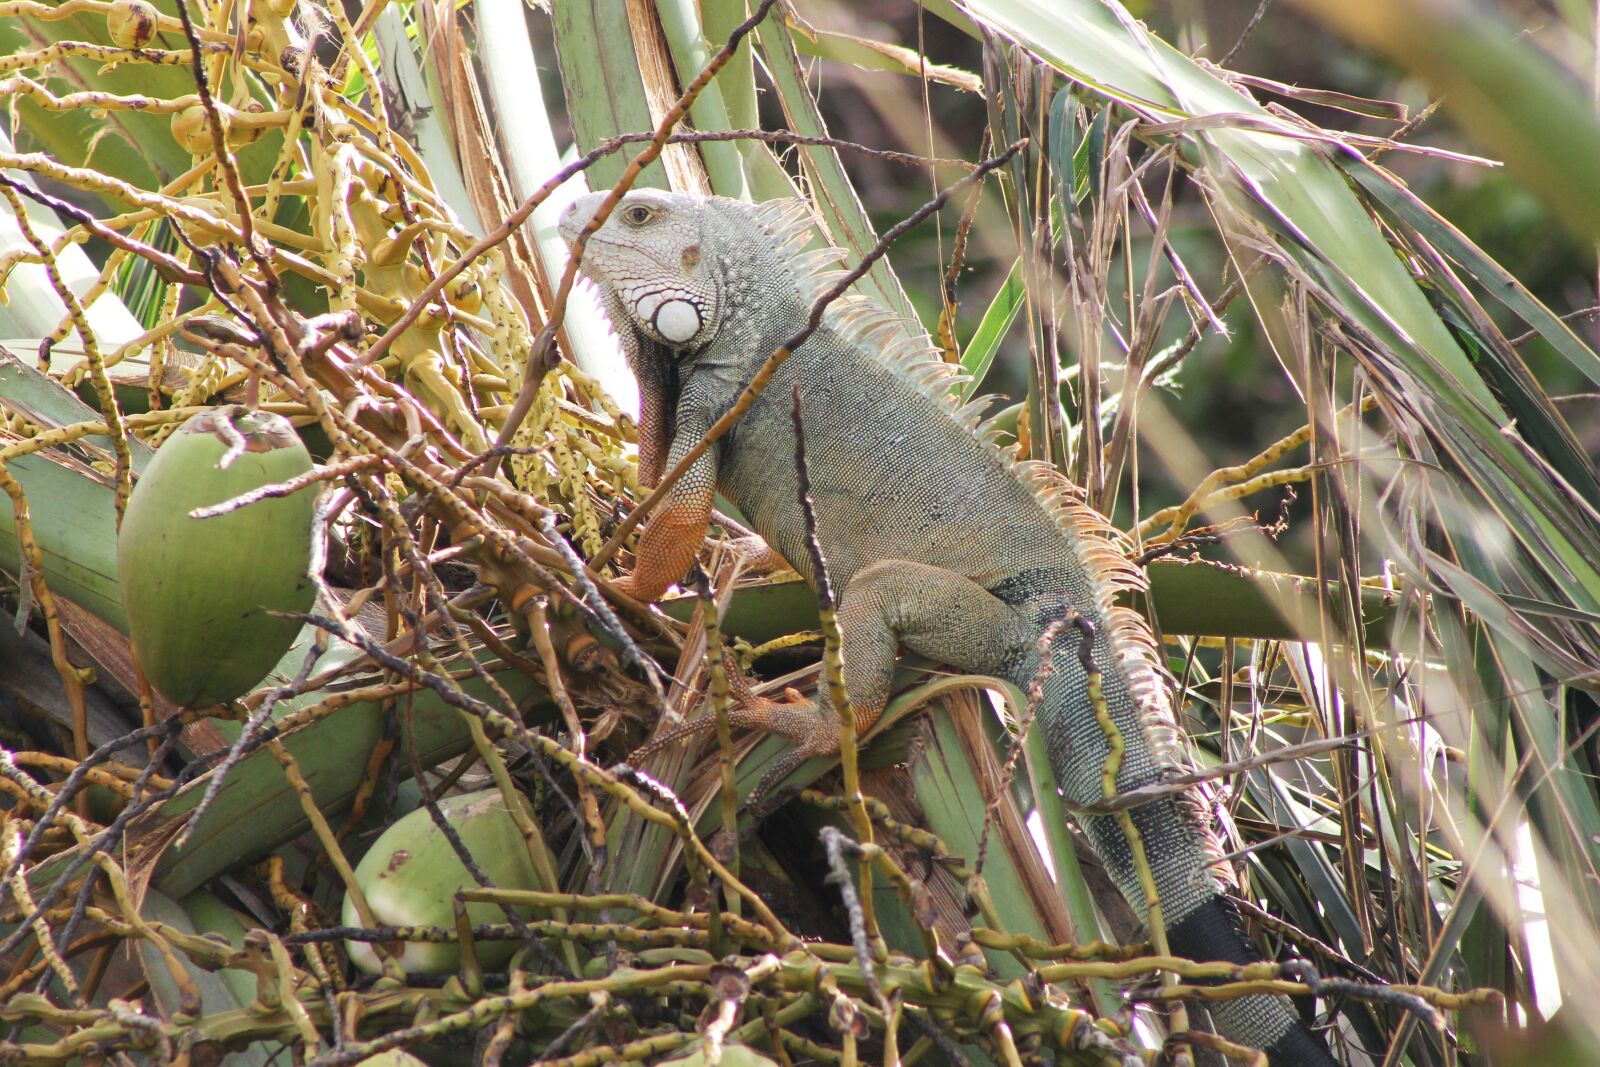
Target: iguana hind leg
(890,604)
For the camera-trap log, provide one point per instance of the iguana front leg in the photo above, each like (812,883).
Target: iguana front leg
(671,537)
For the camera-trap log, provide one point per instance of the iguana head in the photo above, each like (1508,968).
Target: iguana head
(652,258)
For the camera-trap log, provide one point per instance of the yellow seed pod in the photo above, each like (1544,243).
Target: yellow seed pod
(212,203)
(431,318)
(132,23)
(379,182)
(280,8)
(243,135)
(464,294)
(218,207)
(192,130)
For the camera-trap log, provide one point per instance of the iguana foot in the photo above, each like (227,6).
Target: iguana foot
(758,556)
(812,728)
(801,722)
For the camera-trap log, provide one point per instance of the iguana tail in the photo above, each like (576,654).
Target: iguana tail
(1212,931)
(1202,924)
(1106,708)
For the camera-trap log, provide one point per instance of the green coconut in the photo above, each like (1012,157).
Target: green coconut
(733,1055)
(395,1057)
(410,876)
(199,593)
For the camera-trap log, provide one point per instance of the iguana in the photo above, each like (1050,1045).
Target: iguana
(937,540)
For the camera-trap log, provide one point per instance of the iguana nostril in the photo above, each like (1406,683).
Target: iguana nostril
(571,221)
(577,215)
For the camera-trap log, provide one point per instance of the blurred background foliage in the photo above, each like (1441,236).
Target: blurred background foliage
(1233,408)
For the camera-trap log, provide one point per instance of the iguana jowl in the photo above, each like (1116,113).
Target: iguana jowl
(937,540)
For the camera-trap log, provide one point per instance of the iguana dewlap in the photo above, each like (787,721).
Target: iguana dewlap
(937,540)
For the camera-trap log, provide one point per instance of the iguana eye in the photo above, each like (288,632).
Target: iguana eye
(637,214)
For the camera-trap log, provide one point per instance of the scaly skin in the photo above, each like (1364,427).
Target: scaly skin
(938,541)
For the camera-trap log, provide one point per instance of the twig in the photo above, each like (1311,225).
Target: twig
(717,670)
(836,844)
(219,143)
(168,267)
(247,735)
(1176,354)
(1254,1057)
(1178,516)
(601,608)
(608,780)
(164,730)
(833,663)
(1115,749)
(1571,316)
(1244,34)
